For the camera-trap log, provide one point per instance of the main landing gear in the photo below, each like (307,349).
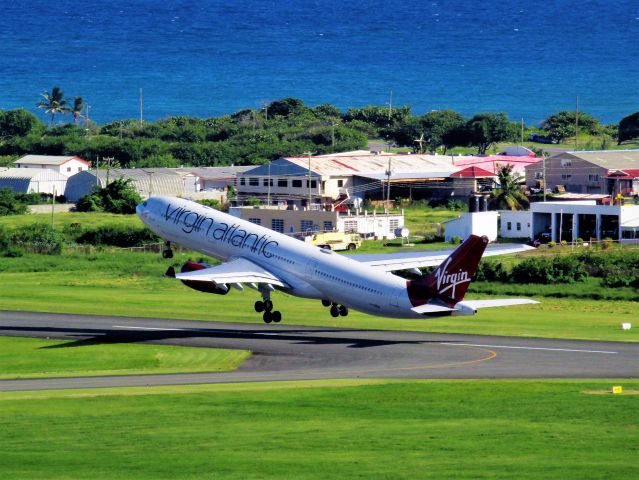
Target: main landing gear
(167,252)
(269,315)
(336,310)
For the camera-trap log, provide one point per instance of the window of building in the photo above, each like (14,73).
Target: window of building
(565,176)
(509,226)
(340,183)
(242,181)
(297,184)
(393,224)
(267,181)
(68,169)
(593,177)
(79,169)
(256,221)
(313,183)
(282,183)
(539,175)
(518,226)
(350,226)
(254,182)
(277,224)
(306,225)
(328,226)
(566,163)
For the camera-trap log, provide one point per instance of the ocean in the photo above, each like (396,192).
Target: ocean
(209,58)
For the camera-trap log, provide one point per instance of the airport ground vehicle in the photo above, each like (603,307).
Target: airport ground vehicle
(335,240)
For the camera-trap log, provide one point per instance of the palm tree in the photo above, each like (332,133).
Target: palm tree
(509,194)
(76,110)
(53,103)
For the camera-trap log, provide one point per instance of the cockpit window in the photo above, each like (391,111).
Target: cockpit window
(144,204)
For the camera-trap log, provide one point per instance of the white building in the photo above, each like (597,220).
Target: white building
(22,180)
(515,224)
(303,222)
(586,220)
(475,223)
(64,165)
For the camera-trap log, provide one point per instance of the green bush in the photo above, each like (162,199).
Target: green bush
(492,271)
(38,238)
(10,204)
(117,236)
(562,269)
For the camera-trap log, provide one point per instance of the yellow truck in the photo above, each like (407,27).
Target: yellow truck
(336,240)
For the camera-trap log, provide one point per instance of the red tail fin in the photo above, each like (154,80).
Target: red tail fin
(450,280)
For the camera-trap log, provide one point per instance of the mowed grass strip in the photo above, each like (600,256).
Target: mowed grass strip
(521,429)
(36,358)
(131,284)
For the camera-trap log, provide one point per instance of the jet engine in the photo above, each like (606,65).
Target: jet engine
(208,287)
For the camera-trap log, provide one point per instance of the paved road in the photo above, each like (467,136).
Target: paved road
(286,352)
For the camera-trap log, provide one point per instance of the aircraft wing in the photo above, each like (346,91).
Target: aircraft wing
(235,271)
(390,262)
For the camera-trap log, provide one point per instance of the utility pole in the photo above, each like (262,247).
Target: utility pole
(576,121)
(388,175)
(150,184)
(97,170)
(522,132)
(308,206)
(268,195)
(543,174)
(141,118)
(108,160)
(52,206)
(390,107)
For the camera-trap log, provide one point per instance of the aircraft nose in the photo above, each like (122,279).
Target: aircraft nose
(142,209)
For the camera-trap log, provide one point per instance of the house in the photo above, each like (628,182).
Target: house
(475,223)
(608,172)
(23,180)
(586,220)
(211,182)
(515,224)
(66,165)
(337,178)
(493,163)
(302,222)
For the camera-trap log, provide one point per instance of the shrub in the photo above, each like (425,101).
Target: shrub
(455,240)
(38,238)
(491,271)
(118,236)
(563,269)
(552,244)
(606,243)
(564,243)
(617,276)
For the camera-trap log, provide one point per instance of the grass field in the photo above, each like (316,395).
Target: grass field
(34,358)
(128,284)
(64,219)
(329,429)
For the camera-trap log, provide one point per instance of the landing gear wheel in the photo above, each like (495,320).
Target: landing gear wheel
(267,317)
(167,253)
(259,306)
(276,316)
(334,311)
(326,303)
(343,311)
(268,305)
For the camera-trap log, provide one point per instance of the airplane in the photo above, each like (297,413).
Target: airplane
(266,261)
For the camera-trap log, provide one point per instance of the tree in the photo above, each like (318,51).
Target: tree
(76,110)
(628,128)
(562,125)
(53,103)
(10,205)
(437,125)
(488,128)
(509,194)
(17,123)
(118,196)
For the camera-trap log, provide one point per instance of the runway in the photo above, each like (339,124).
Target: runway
(288,352)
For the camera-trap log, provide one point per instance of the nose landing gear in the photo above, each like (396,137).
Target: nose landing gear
(167,252)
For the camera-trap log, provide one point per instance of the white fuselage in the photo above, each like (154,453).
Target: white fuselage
(307,270)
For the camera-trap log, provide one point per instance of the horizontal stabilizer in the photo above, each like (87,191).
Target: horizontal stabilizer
(500,302)
(428,308)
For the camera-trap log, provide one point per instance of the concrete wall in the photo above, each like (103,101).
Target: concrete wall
(515,224)
(476,223)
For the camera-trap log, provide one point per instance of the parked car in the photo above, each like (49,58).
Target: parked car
(535,137)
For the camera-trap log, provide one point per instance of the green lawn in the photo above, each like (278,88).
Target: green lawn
(537,429)
(64,219)
(32,358)
(131,284)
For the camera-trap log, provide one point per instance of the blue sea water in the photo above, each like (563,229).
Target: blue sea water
(208,58)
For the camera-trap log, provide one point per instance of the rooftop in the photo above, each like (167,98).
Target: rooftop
(47,160)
